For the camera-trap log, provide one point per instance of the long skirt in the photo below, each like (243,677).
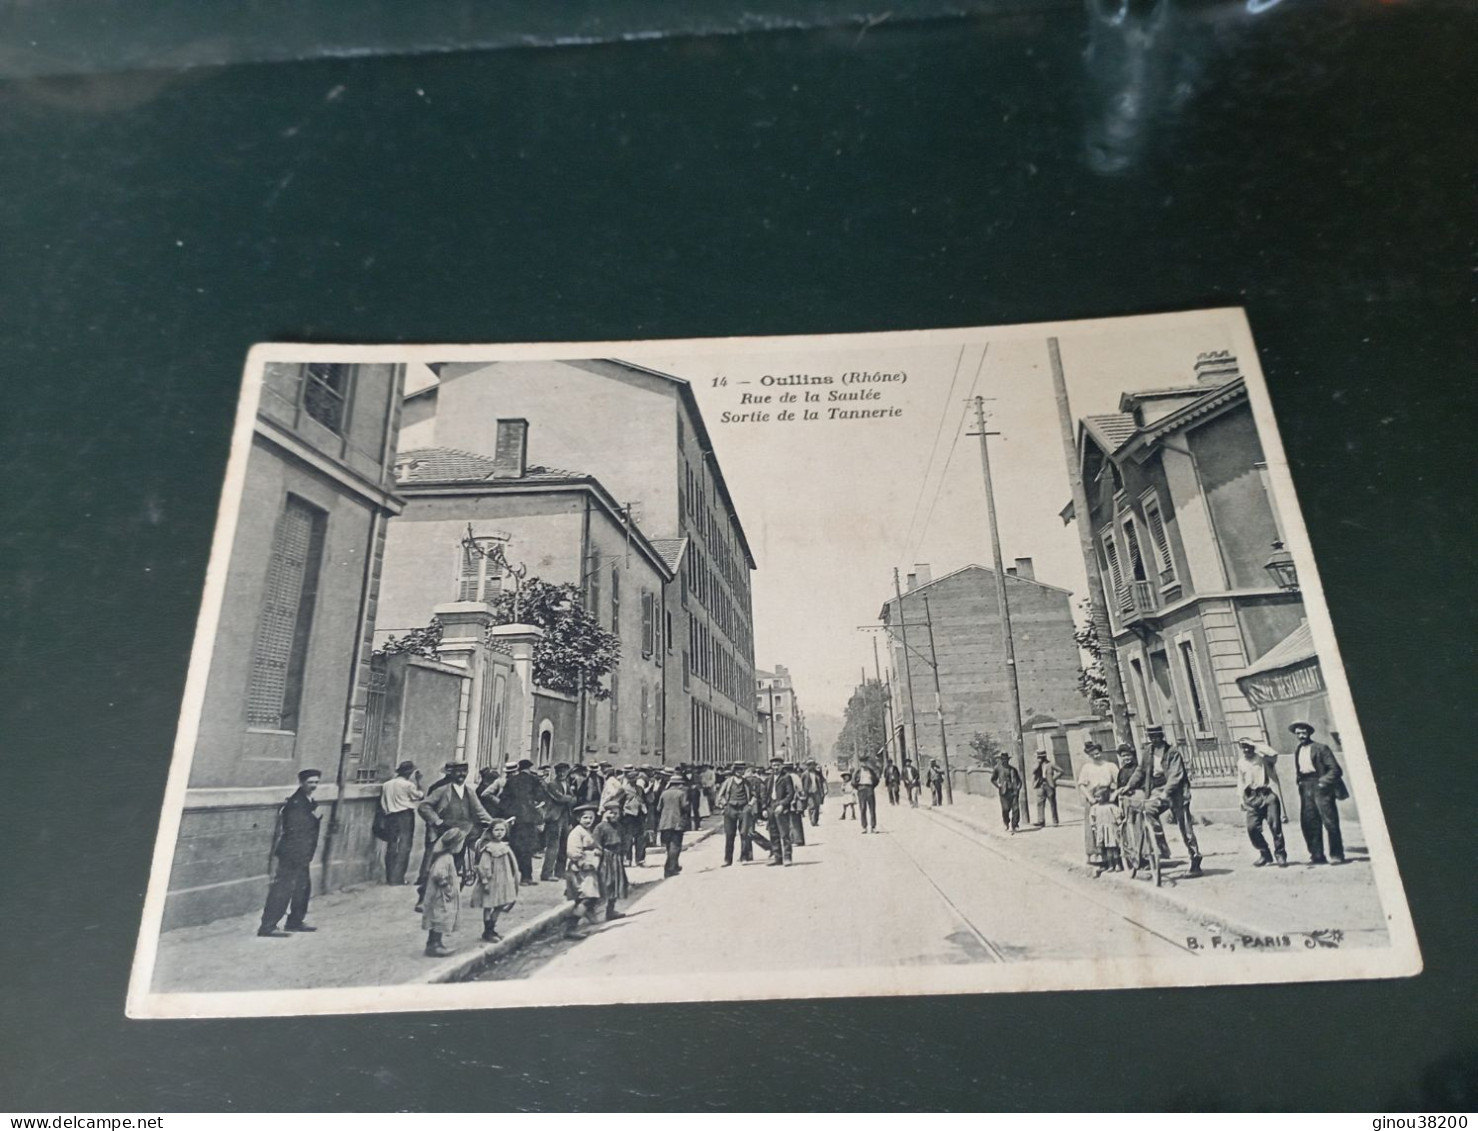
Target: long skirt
(612,875)
(581,883)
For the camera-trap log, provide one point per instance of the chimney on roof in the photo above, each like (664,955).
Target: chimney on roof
(922,571)
(511,456)
(910,582)
(1024,569)
(1216,368)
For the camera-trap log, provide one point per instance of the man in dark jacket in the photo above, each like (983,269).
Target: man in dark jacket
(294,842)
(524,799)
(1320,785)
(557,821)
(1167,781)
(775,808)
(893,780)
(672,820)
(1004,777)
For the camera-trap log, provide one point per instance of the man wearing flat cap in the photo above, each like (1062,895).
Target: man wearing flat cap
(453,805)
(398,800)
(775,808)
(294,841)
(672,820)
(1321,785)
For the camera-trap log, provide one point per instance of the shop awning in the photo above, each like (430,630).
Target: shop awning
(1288,670)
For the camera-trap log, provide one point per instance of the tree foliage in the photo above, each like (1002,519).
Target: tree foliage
(864,726)
(1092,685)
(576,653)
(424,642)
(984,748)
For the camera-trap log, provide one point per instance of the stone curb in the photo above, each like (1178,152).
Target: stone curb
(1169,898)
(468,964)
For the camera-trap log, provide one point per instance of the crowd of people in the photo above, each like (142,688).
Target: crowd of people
(588,824)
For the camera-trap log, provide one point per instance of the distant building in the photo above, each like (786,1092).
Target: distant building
(782,723)
(562,527)
(639,434)
(289,667)
(970,647)
(1211,641)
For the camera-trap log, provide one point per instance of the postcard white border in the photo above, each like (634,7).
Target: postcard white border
(1402,958)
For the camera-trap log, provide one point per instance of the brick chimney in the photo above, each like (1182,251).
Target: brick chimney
(511,456)
(1216,368)
(922,573)
(1024,569)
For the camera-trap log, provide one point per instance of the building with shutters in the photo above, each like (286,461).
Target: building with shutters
(557,525)
(640,435)
(286,685)
(1211,644)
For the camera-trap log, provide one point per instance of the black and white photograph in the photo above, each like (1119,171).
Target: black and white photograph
(929,662)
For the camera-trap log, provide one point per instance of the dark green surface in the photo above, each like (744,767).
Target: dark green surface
(1314,164)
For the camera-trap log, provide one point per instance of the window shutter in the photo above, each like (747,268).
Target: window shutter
(1156,519)
(467,577)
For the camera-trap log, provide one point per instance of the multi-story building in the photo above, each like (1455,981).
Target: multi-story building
(287,681)
(969,647)
(782,723)
(475,527)
(1190,551)
(639,433)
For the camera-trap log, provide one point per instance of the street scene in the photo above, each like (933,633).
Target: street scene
(933,662)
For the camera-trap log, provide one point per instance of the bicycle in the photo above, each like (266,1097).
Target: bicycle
(1137,838)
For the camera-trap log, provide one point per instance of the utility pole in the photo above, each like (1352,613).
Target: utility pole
(1108,657)
(949,785)
(1003,607)
(877,668)
(913,717)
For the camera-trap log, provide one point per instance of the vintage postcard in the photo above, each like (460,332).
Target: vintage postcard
(953,661)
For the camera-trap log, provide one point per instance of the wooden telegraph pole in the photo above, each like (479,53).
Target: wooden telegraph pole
(913,718)
(1003,607)
(1097,605)
(949,785)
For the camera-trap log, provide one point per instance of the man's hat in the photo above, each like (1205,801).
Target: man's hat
(511,764)
(456,766)
(304,775)
(626,769)
(525,764)
(405,767)
(737,766)
(1155,731)
(1041,753)
(1296,727)
(558,766)
(777,761)
(448,767)
(588,807)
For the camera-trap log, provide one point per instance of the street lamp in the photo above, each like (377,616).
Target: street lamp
(1281,568)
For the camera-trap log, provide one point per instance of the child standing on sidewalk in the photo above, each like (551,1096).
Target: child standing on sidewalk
(443,901)
(496,887)
(582,871)
(1103,818)
(849,796)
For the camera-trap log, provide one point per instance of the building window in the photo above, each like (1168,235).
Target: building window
(615,702)
(1120,599)
(667,626)
(645,707)
(1142,690)
(275,687)
(326,394)
(479,578)
(648,625)
(616,600)
(1193,686)
(1131,547)
(592,725)
(1164,560)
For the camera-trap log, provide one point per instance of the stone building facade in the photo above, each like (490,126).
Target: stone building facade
(639,433)
(969,644)
(287,683)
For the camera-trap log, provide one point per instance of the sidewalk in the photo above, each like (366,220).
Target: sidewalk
(368,935)
(1301,899)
